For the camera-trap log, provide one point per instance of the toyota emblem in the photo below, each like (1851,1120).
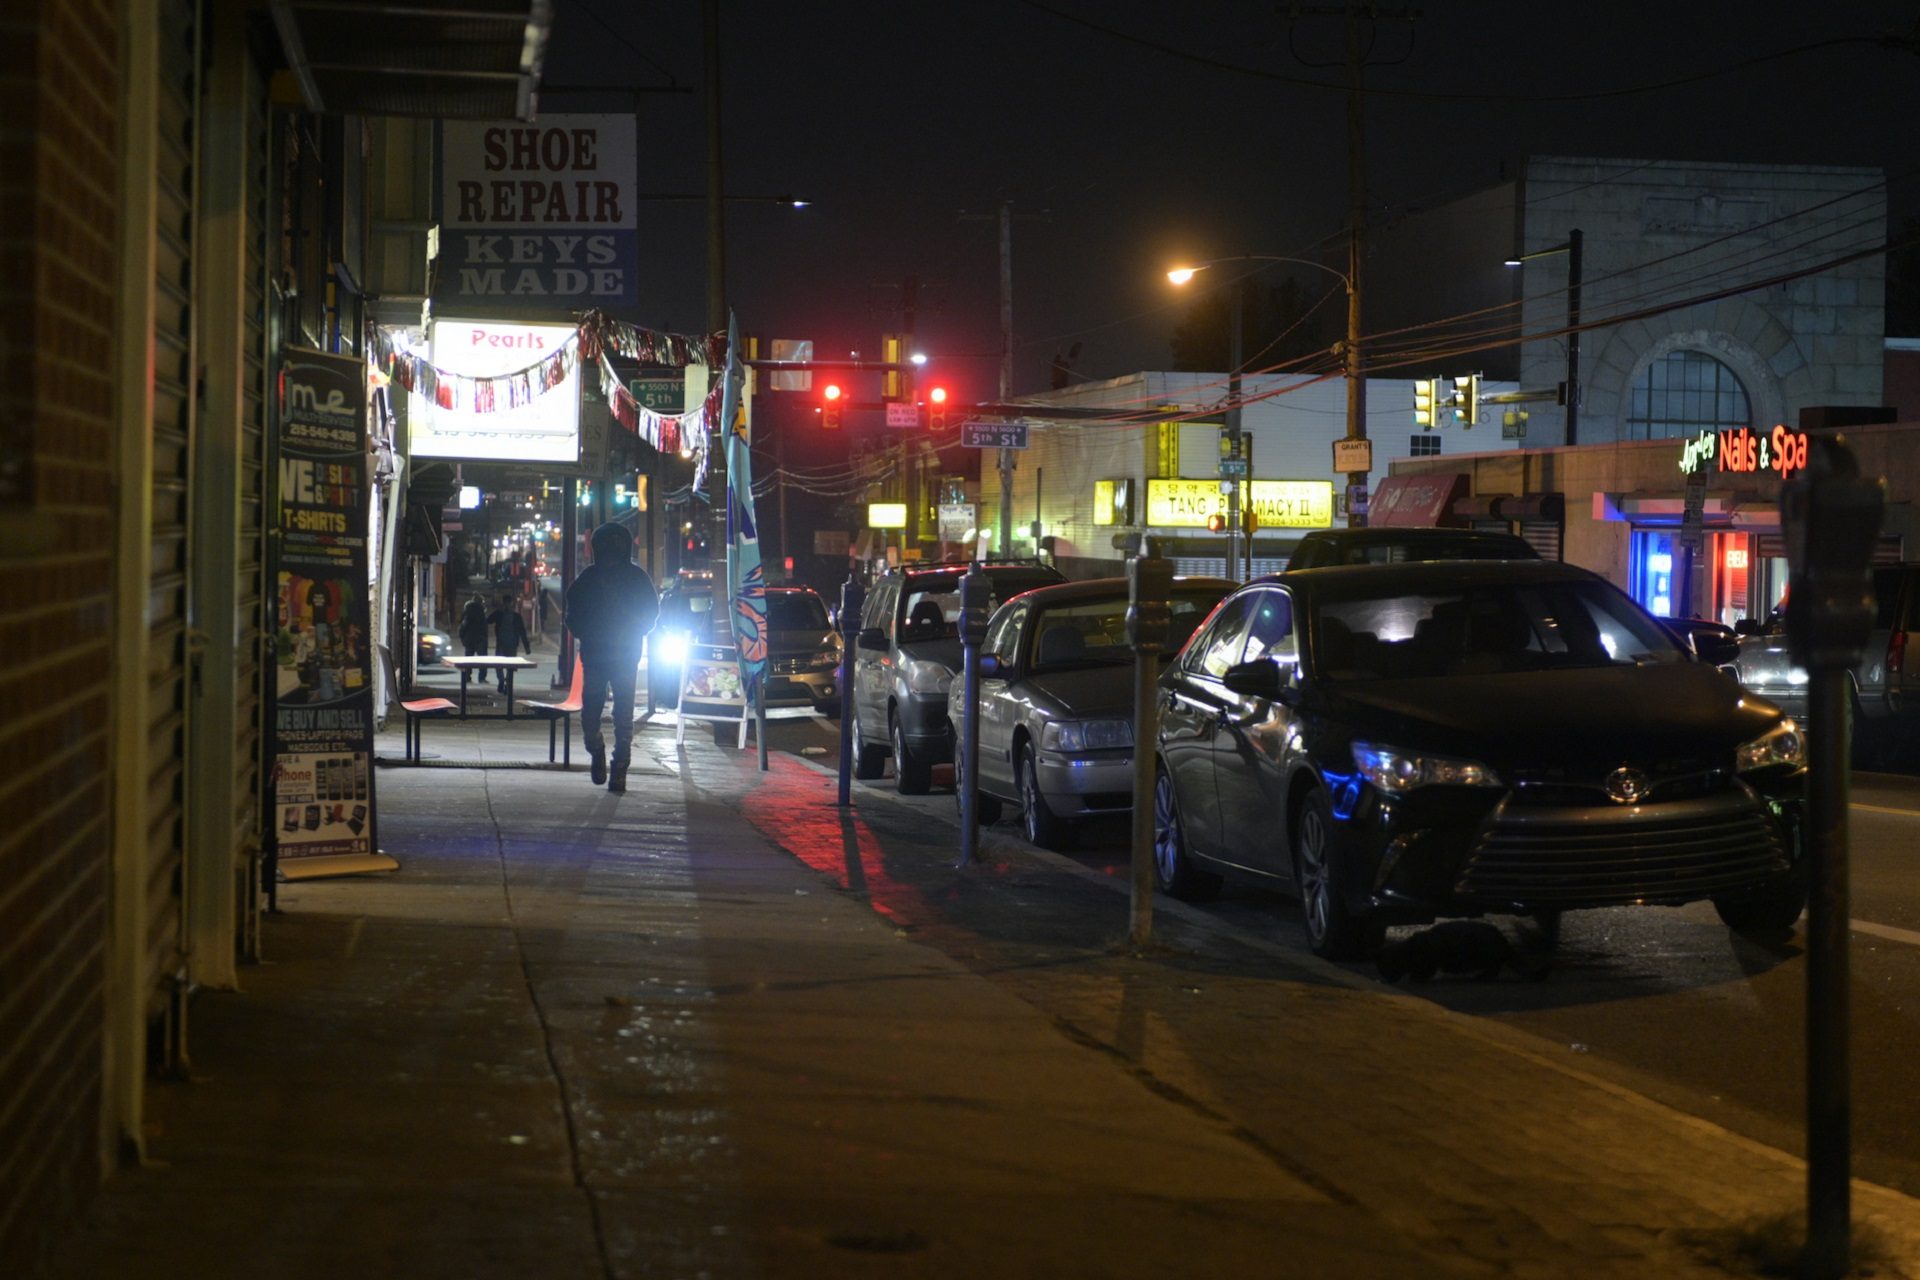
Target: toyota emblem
(1627,785)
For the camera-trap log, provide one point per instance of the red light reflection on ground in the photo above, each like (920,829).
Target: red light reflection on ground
(794,807)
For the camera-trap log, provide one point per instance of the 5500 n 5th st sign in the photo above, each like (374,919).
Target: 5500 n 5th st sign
(1279,504)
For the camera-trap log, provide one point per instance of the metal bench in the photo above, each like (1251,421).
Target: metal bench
(420,709)
(559,715)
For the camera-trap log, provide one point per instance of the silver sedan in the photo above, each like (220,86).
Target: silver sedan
(1056,701)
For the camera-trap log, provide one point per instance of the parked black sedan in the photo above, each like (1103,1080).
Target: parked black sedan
(1403,742)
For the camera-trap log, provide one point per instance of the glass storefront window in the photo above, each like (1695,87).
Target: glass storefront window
(1656,560)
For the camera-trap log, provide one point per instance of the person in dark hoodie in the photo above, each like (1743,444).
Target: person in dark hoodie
(609,609)
(473,630)
(509,633)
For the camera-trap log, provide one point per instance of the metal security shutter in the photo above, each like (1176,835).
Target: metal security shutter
(1773,546)
(248,782)
(1200,566)
(173,412)
(1543,536)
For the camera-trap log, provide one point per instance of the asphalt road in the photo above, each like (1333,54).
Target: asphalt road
(1665,1001)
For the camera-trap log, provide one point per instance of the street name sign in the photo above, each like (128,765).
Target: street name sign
(976,434)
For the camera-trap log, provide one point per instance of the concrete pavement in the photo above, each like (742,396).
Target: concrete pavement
(717,1027)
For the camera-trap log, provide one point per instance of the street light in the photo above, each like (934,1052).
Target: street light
(1572,249)
(1356,384)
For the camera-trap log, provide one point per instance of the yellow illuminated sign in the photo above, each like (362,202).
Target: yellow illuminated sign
(1103,502)
(1279,504)
(886,515)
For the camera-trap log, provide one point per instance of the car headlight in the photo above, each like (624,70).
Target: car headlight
(670,649)
(1075,736)
(1398,772)
(1781,745)
(928,677)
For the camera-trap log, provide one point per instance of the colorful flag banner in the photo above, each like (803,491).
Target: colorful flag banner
(746,580)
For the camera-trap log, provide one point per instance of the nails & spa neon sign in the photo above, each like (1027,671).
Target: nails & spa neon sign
(1744,450)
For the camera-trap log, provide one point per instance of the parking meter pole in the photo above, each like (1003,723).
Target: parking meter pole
(1149,612)
(853,598)
(1831,518)
(975,595)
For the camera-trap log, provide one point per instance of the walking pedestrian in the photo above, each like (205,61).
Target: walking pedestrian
(609,609)
(509,633)
(473,630)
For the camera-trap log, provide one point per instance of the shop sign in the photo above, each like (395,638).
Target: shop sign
(886,515)
(539,215)
(1279,504)
(321,742)
(957,520)
(543,429)
(1744,451)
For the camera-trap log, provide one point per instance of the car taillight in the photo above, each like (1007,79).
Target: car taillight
(1896,654)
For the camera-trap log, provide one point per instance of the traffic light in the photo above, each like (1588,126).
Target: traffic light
(1216,523)
(937,409)
(1426,403)
(1466,399)
(830,407)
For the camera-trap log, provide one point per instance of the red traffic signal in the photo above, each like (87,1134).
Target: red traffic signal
(938,395)
(830,392)
(831,408)
(936,408)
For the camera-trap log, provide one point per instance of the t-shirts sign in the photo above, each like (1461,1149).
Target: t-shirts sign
(540,214)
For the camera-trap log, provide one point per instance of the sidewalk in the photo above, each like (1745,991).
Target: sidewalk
(716,1027)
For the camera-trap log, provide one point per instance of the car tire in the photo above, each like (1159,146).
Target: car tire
(1334,931)
(1770,913)
(912,776)
(1173,868)
(986,808)
(1043,826)
(869,759)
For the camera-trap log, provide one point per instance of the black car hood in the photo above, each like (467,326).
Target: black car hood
(1085,692)
(1591,715)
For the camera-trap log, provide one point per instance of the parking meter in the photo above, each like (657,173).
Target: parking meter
(853,601)
(976,603)
(1831,517)
(1149,615)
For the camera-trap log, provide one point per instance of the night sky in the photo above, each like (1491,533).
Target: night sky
(898,119)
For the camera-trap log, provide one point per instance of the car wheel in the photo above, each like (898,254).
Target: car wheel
(912,776)
(869,760)
(1043,826)
(1769,913)
(986,808)
(1334,931)
(1173,870)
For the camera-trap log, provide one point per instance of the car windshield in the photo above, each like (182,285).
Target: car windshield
(1484,630)
(795,611)
(933,600)
(1094,632)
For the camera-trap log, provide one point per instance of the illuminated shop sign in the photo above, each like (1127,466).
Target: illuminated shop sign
(544,429)
(1745,451)
(1279,504)
(886,515)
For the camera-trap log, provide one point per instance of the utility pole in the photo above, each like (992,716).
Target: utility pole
(1574,239)
(1236,305)
(1356,233)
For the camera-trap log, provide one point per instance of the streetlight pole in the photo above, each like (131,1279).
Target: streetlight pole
(1236,300)
(1573,336)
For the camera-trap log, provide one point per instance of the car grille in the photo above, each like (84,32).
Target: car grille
(794,666)
(1594,857)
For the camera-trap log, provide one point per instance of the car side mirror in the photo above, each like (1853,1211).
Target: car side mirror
(991,668)
(1259,679)
(872,639)
(1747,627)
(1716,649)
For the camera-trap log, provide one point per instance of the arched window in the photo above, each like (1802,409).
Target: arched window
(1684,393)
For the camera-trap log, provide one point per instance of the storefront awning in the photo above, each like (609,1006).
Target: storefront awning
(451,59)
(1421,500)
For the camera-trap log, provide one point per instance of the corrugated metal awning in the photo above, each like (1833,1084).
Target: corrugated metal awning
(450,59)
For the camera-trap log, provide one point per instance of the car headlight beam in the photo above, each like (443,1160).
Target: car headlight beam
(1782,745)
(670,648)
(1072,737)
(1397,772)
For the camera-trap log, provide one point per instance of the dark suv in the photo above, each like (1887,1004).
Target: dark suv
(904,657)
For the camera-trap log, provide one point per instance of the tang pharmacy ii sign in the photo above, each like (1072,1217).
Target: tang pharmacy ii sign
(538,216)
(1744,451)
(321,744)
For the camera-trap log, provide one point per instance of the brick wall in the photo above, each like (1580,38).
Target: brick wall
(59,72)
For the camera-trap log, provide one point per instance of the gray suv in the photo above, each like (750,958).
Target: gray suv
(1886,684)
(904,657)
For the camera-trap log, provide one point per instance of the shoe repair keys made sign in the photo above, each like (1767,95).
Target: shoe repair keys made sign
(538,216)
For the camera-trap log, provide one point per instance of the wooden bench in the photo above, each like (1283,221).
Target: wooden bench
(559,715)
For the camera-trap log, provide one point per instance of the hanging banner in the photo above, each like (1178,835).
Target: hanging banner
(322,708)
(746,579)
(538,215)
